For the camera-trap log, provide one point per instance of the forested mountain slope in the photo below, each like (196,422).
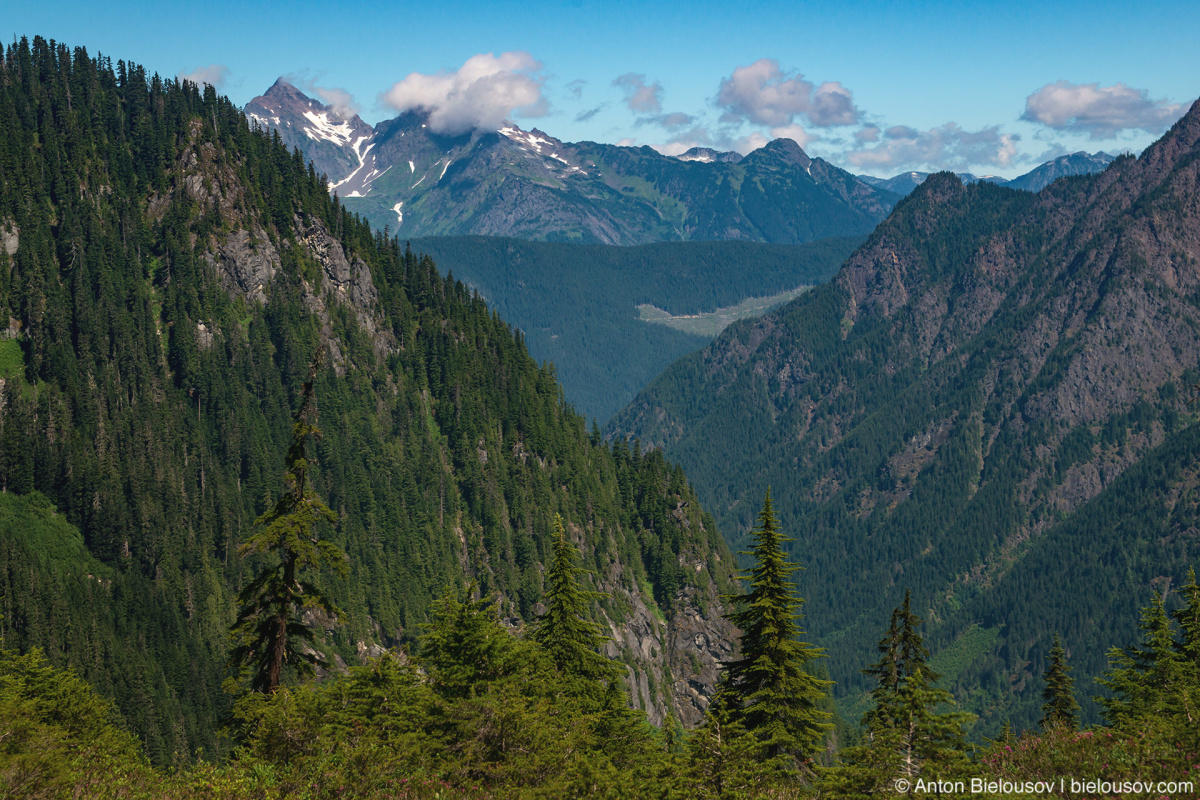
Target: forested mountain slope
(166,275)
(578,305)
(989,405)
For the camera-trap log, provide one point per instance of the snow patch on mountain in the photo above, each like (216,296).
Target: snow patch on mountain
(325,129)
(267,122)
(362,163)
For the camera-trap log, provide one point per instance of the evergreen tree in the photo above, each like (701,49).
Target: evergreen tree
(906,736)
(1060,709)
(1188,649)
(268,631)
(464,647)
(1147,681)
(724,760)
(571,640)
(768,688)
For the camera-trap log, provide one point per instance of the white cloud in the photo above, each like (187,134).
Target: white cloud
(763,94)
(794,132)
(641,97)
(1102,112)
(676,148)
(340,100)
(682,141)
(750,142)
(869,133)
(945,147)
(214,75)
(482,93)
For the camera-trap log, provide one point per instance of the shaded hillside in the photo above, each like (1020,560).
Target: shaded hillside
(577,305)
(988,405)
(167,275)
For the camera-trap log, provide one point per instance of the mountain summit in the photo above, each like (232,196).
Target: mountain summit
(332,141)
(530,185)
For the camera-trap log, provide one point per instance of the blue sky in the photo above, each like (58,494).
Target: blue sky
(876,88)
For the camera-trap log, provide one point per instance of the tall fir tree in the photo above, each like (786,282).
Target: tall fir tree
(1147,681)
(568,637)
(768,688)
(269,632)
(906,736)
(1061,709)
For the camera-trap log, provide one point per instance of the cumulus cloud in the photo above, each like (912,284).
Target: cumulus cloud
(764,94)
(749,142)
(682,141)
(901,132)
(676,148)
(482,93)
(340,100)
(945,147)
(1102,112)
(641,97)
(869,133)
(794,132)
(214,75)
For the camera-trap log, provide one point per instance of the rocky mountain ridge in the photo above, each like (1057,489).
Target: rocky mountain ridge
(989,405)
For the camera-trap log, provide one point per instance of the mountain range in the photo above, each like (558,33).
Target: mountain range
(1035,180)
(530,185)
(991,405)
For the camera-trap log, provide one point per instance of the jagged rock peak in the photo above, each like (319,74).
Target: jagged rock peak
(708,155)
(284,93)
